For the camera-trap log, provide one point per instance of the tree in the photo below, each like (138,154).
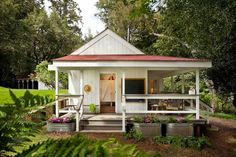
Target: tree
(49,37)
(48,77)
(207,29)
(136,17)
(69,11)
(28,35)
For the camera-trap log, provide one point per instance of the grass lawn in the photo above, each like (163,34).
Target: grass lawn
(223,115)
(5,96)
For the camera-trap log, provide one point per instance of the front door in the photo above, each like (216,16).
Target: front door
(107,92)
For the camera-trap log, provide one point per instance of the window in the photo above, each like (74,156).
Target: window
(135,86)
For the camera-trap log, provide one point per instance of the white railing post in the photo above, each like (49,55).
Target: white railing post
(57,91)
(80,112)
(123,102)
(197,95)
(81,87)
(77,121)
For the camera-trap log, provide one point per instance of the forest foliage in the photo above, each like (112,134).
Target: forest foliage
(201,29)
(187,28)
(29,34)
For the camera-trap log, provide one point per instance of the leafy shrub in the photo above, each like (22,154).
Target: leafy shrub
(180,141)
(172,119)
(138,119)
(155,119)
(134,133)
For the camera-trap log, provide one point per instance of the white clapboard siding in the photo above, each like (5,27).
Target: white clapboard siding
(73,84)
(107,42)
(132,106)
(91,78)
(73,81)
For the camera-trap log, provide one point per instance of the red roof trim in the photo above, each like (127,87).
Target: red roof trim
(125,57)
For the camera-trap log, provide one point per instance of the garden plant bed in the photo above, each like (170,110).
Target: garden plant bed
(60,127)
(182,129)
(218,148)
(149,129)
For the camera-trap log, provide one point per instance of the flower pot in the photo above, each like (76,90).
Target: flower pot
(149,129)
(182,129)
(60,127)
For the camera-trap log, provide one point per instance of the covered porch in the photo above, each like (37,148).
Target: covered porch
(153,100)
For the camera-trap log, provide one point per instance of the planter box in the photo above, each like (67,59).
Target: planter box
(149,129)
(182,129)
(60,127)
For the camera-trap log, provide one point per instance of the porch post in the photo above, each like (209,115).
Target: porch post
(79,113)
(123,102)
(57,91)
(197,95)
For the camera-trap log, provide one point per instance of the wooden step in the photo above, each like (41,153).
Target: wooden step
(102,131)
(101,125)
(101,122)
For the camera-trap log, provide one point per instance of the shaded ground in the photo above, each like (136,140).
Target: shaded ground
(222,138)
(223,123)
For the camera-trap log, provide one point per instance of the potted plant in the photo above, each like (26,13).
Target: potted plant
(179,126)
(149,125)
(92,108)
(61,124)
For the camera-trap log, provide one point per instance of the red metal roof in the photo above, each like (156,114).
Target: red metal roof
(125,57)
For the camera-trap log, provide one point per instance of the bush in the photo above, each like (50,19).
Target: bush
(138,119)
(180,141)
(134,133)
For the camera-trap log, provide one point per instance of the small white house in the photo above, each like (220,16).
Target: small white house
(117,77)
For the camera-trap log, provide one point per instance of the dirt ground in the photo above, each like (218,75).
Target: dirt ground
(222,137)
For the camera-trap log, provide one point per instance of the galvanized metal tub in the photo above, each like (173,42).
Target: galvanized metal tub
(149,129)
(182,129)
(60,127)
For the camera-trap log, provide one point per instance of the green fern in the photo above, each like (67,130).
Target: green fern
(81,146)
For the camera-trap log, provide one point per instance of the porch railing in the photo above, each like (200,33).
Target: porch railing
(76,108)
(163,97)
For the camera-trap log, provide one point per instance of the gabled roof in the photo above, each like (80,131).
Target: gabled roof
(107,42)
(126,57)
